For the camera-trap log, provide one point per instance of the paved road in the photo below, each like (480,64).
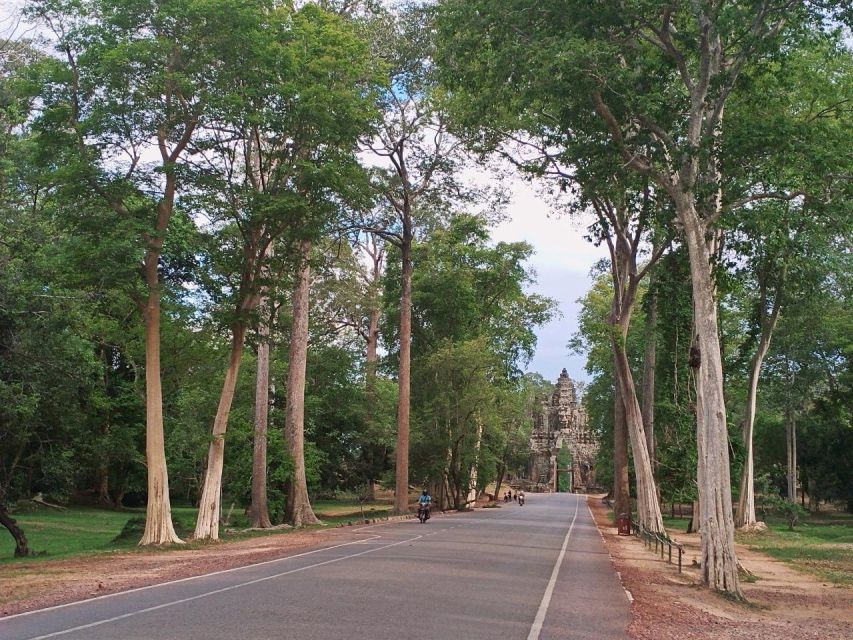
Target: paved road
(538,571)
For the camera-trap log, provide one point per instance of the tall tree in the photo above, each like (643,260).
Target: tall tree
(420,179)
(135,82)
(689,54)
(279,159)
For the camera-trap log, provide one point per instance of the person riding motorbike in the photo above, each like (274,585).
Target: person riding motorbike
(424,503)
(521,498)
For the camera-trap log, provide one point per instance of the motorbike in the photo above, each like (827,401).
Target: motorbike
(423,512)
(520,501)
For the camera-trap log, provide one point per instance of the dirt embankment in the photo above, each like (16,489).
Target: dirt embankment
(33,585)
(782,603)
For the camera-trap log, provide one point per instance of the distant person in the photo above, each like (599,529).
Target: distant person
(521,498)
(424,503)
(425,499)
(515,497)
(507,497)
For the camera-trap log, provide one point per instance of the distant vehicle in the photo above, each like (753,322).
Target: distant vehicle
(423,512)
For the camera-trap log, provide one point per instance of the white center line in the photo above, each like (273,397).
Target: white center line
(217,591)
(536,629)
(189,579)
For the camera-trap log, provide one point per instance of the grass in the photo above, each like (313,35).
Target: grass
(822,544)
(80,531)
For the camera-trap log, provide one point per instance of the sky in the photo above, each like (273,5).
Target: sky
(562,262)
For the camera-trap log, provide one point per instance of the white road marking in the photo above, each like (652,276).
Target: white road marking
(218,591)
(179,580)
(628,594)
(536,629)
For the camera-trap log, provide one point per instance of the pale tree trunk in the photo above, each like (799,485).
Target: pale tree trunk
(377,255)
(626,279)
(371,360)
(719,560)
(158,511)
(472,482)
(649,363)
(401,489)
(207,523)
(259,509)
(648,509)
(621,486)
(371,357)
(299,511)
(791,447)
(745,515)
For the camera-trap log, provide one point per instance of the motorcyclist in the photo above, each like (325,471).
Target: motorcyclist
(521,498)
(424,502)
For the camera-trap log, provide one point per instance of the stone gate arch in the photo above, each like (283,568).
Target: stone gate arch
(561,421)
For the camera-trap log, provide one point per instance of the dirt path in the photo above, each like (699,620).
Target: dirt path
(34,585)
(783,603)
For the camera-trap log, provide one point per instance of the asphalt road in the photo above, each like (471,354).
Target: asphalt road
(537,571)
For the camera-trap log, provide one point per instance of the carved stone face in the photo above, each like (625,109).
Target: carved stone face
(562,422)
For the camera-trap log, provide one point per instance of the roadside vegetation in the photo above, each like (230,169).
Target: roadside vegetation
(77,531)
(265,275)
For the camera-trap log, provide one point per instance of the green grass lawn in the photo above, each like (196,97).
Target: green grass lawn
(69,532)
(82,530)
(822,544)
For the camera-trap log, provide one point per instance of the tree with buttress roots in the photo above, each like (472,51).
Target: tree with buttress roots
(131,85)
(654,79)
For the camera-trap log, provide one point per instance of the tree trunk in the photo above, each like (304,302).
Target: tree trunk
(621,486)
(158,512)
(371,357)
(745,515)
(207,523)
(649,362)
(401,489)
(693,525)
(719,560)
(22,549)
(299,511)
(499,480)
(648,508)
(259,509)
(372,451)
(791,446)
(103,486)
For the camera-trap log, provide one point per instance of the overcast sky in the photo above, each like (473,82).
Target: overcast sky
(562,262)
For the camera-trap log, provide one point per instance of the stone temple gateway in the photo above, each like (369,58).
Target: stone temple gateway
(561,421)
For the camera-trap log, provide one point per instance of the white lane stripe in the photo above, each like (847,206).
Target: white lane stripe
(628,594)
(217,591)
(203,575)
(536,629)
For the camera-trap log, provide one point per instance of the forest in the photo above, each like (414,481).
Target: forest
(247,254)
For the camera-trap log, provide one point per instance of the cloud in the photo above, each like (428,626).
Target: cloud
(562,261)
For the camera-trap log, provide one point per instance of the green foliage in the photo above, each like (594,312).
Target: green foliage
(472,330)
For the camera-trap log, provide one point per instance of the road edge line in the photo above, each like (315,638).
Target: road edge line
(539,620)
(207,594)
(179,580)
